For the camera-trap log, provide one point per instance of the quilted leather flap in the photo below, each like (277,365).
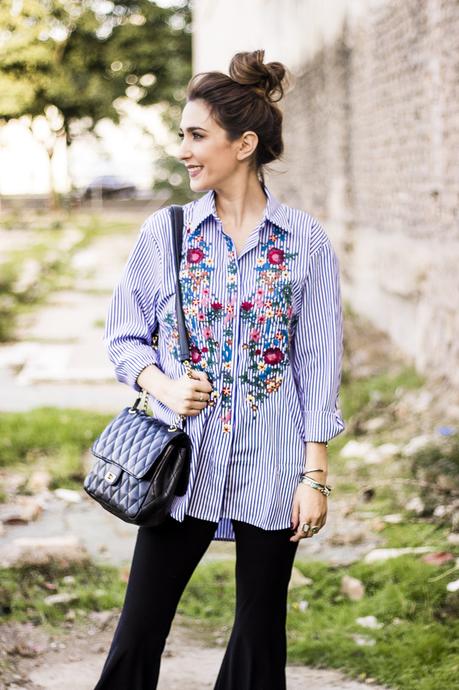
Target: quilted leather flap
(135,442)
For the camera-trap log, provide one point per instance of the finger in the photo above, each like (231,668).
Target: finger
(204,383)
(305,520)
(295,515)
(299,534)
(195,406)
(198,375)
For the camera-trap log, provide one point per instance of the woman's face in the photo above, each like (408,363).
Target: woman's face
(205,144)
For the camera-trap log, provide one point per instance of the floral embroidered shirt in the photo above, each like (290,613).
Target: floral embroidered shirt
(266,325)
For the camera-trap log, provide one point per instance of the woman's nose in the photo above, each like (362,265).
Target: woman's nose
(183,151)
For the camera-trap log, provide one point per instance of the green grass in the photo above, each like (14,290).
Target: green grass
(375,392)
(50,438)
(23,590)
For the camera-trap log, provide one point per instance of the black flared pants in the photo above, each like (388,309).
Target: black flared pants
(163,561)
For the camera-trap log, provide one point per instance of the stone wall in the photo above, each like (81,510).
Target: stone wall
(371,134)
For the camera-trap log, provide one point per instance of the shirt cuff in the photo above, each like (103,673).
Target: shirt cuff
(128,370)
(322,426)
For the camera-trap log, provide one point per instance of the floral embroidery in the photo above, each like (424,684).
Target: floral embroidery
(201,310)
(267,316)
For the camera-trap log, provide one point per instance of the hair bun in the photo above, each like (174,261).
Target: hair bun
(248,68)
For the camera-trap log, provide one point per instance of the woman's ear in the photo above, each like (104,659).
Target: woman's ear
(247,146)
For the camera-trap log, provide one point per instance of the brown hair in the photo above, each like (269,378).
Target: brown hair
(245,100)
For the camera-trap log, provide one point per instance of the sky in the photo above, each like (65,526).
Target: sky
(123,150)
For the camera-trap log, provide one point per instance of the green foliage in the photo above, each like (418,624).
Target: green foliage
(436,467)
(71,56)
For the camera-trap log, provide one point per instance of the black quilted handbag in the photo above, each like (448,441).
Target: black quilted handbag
(141,462)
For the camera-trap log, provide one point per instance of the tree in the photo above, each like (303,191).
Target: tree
(70,61)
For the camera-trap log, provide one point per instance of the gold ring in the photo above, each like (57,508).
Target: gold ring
(305,527)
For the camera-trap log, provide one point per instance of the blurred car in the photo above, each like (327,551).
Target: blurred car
(110,187)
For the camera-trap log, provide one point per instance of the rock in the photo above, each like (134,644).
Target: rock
(102,618)
(62,598)
(369,453)
(356,449)
(438,557)
(378,524)
(416,443)
(453,586)
(30,275)
(34,551)
(363,640)
(383,554)
(297,579)
(23,510)
(386,451)
(25,648)
(11,481)
(393,518)
(352,587)
(446,482)
(352,536)
(374,424)
(455,521)
(369,622)
(69,580)
(453,538)
(50,585)
(415,505)
(440,511)
(39,481)
(68,495)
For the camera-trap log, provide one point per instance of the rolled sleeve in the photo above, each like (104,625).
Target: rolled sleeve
(318,347)
(131,318)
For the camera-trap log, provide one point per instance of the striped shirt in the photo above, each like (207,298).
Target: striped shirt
(266,325)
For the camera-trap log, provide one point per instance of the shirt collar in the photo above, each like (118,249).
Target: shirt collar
(275,212)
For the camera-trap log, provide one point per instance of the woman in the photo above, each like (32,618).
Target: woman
(261,298)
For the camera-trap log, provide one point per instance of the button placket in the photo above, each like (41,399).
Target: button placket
(229,345)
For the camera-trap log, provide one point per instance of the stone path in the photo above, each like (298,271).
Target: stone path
(60,358)
(343,540)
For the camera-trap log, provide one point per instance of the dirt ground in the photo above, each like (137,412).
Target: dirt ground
(74,660)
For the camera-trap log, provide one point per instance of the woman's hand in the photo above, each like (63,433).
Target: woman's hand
(309,505)
(187,396)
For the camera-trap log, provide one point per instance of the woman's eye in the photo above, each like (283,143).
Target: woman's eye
(195,134)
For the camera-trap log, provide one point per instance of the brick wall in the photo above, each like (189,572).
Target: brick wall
(372,149)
